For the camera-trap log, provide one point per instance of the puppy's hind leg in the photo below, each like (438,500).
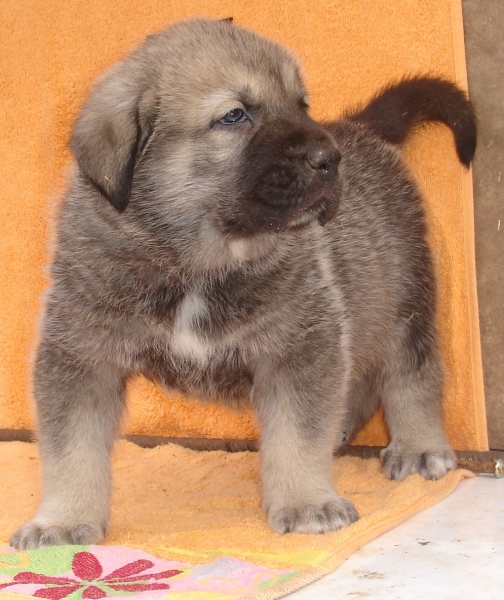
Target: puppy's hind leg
(411,398)
(79,405)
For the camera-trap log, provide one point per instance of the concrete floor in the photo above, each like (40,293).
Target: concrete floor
(484,37)
(452,551)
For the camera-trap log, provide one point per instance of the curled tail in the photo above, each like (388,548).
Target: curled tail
(400,107)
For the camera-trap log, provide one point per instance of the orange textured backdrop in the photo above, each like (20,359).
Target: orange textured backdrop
(51,52)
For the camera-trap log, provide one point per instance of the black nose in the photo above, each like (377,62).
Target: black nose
(323,160)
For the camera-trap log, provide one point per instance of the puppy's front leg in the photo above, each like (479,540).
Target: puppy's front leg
(79,406)
(299,427)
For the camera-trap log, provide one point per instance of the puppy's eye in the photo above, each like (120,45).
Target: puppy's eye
(237,115)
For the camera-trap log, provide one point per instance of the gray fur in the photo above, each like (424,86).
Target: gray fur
(193,252)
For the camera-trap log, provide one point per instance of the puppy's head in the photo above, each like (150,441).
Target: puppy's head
(208,122)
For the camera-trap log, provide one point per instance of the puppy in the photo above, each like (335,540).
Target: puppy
(218,240)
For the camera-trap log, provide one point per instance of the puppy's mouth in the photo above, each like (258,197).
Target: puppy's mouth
(259,214)
(322,210)
(304,218)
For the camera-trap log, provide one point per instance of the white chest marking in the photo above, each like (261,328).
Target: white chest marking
(185,340)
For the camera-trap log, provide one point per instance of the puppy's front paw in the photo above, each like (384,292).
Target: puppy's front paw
(430,464)
(36,535)
(313,518)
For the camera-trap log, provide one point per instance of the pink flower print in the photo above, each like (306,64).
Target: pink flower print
(88,572)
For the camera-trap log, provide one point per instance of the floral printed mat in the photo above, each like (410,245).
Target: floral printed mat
(75,572)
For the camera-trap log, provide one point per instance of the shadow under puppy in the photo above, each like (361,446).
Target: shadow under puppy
(219,241)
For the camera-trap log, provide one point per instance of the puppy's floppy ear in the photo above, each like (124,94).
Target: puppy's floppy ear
(112,130)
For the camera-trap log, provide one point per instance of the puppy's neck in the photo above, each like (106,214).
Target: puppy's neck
(215,252)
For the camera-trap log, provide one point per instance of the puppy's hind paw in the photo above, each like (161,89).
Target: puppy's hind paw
(430,464)
(34,535)
(313,518)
